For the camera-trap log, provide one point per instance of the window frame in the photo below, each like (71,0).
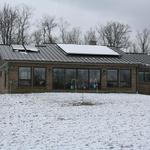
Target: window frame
(30,80)
(129,86)
(117,81)
(33,81)
(54,77)
(78,78)
(66,80)
(144,77)
(76,69)
(100,73)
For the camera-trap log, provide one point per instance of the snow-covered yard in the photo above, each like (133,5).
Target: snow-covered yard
(52,121)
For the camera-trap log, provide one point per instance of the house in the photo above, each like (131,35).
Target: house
(74,68)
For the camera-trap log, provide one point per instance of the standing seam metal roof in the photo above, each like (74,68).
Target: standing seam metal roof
(53,53)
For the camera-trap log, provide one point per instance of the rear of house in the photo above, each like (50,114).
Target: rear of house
(73,68)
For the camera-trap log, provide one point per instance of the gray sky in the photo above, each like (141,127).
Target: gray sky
(87,13)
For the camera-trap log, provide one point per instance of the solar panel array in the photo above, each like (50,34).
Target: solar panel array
(18,47)
(26,48)
(31,48)
(87,50)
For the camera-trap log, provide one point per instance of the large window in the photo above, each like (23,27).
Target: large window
(112,78)
(70,79)
(94,79)
(83,79)
(125,78)
(39,77)
(58,79)
(24,76)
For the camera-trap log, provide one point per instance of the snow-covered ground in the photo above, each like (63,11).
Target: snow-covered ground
(52,121)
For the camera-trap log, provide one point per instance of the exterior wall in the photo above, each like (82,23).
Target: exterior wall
(3,78)
(4,82)
(143,87)
(13,76)
(13,79)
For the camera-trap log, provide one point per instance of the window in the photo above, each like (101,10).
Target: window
(82,79)
(94,79)
(141,76)
(112,78)
(24,76)
(125,78)
(39,77)
(144,76)
(147,76)
(70,79)
(58,79)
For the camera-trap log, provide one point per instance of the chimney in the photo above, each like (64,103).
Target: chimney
(92,42)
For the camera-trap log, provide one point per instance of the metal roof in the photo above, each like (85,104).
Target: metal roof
(53,53)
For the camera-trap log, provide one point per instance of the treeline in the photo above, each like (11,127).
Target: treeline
(16,28)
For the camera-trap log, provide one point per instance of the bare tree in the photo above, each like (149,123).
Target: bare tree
(143,41)
(22,25)
(8,17)
(37,37)
(74,36)
(63,26)
(90,36)
(47,26)
(114,34)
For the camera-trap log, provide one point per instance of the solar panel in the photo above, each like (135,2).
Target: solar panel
(87,49)
(18,47)
(31,48)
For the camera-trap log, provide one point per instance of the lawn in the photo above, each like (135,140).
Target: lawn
(74,121)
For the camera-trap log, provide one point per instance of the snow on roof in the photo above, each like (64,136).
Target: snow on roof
(87,49)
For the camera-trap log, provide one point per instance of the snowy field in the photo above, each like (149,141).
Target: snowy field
(58,121)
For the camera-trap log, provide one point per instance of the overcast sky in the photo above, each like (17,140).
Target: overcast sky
(88,13)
